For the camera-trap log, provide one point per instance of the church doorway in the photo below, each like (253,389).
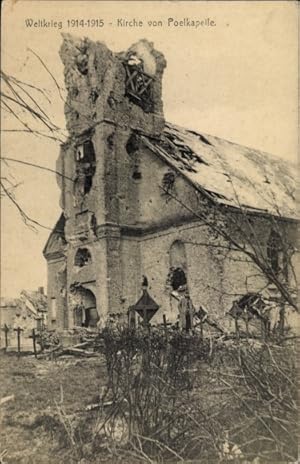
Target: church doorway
(85,308)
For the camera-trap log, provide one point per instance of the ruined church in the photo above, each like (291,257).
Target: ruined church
(144,200)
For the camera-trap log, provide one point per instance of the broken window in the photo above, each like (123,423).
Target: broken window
(85,170)
(137,175)
(138,86)
(79,191)
(132,144)
(274,251)
(85,152)
(168,182)
(87,183)
(178,278)
(94,223)
(82,257)
(178,266)
(82,185)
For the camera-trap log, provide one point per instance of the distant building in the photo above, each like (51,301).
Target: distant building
(28,312)
(138,196)
(9,308)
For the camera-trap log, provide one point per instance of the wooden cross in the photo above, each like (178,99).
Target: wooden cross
(19,330)
(33,336)
(6,330)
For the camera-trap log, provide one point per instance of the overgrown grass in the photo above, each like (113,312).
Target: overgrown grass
(30,429)
(159,397)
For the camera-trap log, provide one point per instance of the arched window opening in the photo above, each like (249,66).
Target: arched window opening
(85,153)
(178,265)
(85,170)
(132,144)
(274,251)
(83,257)
(178,278)
(88,182)
(139,84)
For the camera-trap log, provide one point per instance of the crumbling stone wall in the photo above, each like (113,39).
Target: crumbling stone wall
(202,272)
(215,276)
(105,105)
(95,78)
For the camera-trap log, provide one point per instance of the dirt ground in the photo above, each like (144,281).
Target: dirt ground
(38,387)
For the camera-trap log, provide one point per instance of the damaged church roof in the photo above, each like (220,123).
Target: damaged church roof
(230,174)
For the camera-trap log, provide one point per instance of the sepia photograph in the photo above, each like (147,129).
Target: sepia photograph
(149,232)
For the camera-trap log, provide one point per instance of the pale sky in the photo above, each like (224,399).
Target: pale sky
(237,80)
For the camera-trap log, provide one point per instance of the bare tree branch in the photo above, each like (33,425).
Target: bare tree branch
(36,166)
(31,223)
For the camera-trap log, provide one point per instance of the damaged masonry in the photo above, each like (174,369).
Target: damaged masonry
(139,190)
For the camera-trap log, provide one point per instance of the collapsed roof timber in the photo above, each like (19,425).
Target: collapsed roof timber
(232,174)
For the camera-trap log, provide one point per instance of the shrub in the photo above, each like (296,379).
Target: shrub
(183,396)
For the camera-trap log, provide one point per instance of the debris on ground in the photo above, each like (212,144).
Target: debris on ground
(5,399)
